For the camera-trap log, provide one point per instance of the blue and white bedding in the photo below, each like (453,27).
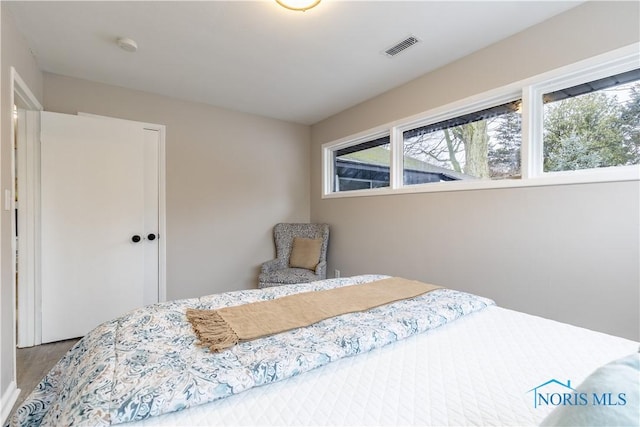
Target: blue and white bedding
(148,363)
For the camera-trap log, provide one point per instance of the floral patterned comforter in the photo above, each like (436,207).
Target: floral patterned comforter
(147,362)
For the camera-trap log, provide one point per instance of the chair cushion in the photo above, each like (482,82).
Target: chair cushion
(305,253)
(289,276)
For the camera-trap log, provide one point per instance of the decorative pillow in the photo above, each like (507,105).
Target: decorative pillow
(305,253)
(611,397)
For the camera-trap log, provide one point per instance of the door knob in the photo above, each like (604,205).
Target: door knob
(151,236)
(135,238)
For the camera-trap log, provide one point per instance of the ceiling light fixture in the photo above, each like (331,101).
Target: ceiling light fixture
(299,5)
(127,44)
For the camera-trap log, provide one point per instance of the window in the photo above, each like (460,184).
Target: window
(480,145)
(577,124)
(593,125)
(363,166)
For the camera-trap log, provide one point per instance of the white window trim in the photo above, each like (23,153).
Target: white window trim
(328,178)
(530,91)
(569,79)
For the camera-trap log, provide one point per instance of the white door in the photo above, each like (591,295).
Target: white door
(99,190)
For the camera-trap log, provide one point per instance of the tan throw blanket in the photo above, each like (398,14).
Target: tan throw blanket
(223,328)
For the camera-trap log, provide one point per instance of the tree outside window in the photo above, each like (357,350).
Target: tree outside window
(593,130)
(480,145)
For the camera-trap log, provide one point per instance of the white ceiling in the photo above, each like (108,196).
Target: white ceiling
(257,57)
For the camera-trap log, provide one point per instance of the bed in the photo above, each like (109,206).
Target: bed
(443,358)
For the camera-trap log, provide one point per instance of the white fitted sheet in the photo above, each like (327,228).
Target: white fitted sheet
(474,371)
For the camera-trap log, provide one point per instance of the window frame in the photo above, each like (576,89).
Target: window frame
(569,79)
(499,98)
(530,91)
(365,140)
(328,178)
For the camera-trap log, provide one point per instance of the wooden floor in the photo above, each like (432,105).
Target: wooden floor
(33,363)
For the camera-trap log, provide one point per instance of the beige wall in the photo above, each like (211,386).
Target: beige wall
(230,177)
(565,252)
(15,53)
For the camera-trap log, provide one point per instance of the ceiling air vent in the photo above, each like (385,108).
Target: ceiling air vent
(399,47)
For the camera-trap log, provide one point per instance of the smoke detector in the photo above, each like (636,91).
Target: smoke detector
(127,44)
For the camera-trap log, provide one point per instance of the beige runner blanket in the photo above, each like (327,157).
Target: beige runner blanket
(223,328)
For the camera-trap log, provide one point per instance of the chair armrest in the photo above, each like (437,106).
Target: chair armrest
(321,269)
(273,265)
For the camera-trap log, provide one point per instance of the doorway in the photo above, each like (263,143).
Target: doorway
(22,200)
(26,199)
(26,105)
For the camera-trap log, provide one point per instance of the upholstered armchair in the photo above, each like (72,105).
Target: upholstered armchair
(301,255)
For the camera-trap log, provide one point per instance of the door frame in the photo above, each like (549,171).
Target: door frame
(29,321)
(28,171)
